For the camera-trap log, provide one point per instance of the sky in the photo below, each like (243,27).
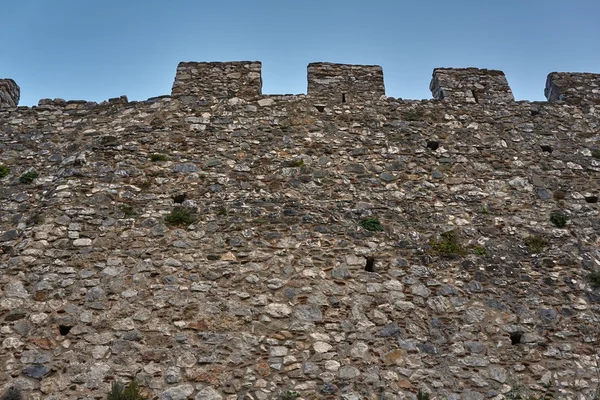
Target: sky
(95,50)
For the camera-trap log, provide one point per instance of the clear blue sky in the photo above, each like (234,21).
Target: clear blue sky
(94,50)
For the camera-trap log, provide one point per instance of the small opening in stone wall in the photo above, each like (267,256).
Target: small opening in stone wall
(179,198)
(515,338)
(433,145)
(546,148)
(64,329)
(370,264)
(320,108)
(343,97)
(591,199)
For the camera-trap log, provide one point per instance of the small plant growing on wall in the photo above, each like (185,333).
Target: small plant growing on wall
(558,219)
(121,392)
(158,157)
(594,278)
(422,395)
(480,251)
(289,395)
(4,171)
(28,177)
(448,244)
(371,224)
(180,216)
(535,243)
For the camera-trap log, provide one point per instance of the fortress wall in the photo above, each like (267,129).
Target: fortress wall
(573,87)
(220,80)
(345,83)
(470,85)
(276,285)
(9,93)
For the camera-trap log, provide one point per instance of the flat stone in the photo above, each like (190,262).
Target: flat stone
(348,372)
(36,371)
(11,234)
(208,393)
(322,347)
(82,242)
(278,310)
(181,392)
(186,167)
(308,313)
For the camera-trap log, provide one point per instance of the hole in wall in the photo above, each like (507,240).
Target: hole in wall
(546,148)
(370,264)
(64,329)
(179,198)
(515,338)
(320,108)
(343,97)
(433,145)
(591,199)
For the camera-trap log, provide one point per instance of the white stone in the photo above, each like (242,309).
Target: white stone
(266,102)
(322,347)
(83,242)
(278,310)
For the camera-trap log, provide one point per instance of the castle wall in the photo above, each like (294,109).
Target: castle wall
(314,256)
(470,85)
(344,83)
(217,80)
(9,93)
(573,87)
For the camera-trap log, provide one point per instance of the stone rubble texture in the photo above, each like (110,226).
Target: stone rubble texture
(264,293)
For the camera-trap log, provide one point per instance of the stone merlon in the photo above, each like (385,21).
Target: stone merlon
(470,85)
(9,93)
(345,82)
(204,80)
(573,87)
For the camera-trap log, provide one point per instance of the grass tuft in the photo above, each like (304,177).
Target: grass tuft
(371,224)
(28,177)
(180,216)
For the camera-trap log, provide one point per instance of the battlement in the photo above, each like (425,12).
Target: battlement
(345,83)
(470,85)
(198,83)
(203,80)
(573,87)
(9,93)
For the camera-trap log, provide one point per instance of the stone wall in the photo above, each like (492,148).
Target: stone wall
(203,81)
(573,87)
(267,247)
(470,85)
(344,83)
(9,93)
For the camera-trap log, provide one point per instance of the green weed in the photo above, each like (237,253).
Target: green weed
(28,177)
(371,224)
(558,219)
(158,157)
(4,171)
(535,243)
(448,244)
(121,392)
